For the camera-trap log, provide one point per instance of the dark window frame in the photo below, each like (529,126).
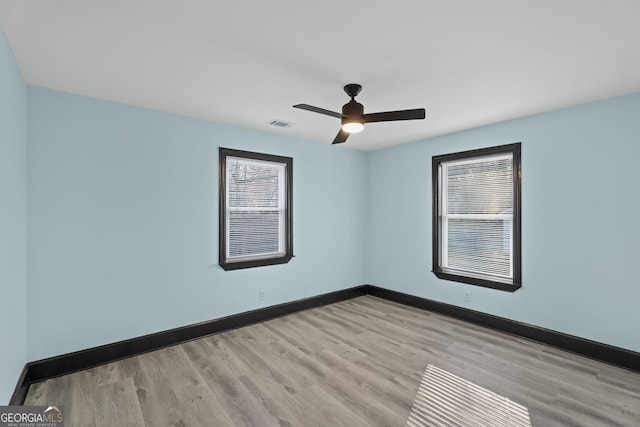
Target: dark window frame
(515,150)
(227,265)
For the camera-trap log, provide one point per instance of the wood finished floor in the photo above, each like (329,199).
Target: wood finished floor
(354,363)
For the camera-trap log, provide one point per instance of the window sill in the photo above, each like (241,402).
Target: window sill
(501,286)
(238,265)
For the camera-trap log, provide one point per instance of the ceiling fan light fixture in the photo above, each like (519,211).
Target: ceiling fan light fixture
(353,117)
(353,127)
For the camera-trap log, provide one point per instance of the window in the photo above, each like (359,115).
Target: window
(255,209)
(476,217)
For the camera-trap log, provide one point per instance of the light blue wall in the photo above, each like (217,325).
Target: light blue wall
(123,222)
(13,184)
(581,203)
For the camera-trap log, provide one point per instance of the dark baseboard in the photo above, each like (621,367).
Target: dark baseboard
(602,352)
(72,362)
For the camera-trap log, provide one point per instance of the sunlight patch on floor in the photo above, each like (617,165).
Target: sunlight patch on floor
(444,399)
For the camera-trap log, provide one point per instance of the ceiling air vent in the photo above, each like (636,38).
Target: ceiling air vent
(280,123)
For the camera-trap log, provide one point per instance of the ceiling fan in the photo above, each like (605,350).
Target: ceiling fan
(353,117)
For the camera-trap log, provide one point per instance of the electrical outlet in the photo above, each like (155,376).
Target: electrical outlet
(467,297)
(263,294)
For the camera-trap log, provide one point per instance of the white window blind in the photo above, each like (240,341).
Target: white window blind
(255,209)
(476,217)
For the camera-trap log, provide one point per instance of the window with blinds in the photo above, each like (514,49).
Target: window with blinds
(255,209)
(477,217)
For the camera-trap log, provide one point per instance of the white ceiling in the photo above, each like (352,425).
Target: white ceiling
(242,62)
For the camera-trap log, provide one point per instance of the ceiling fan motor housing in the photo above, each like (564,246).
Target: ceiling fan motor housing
(352,111)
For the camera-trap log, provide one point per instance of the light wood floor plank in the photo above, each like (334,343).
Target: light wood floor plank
(119,405)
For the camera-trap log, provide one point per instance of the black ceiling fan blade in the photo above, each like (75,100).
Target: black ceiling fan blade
(341,137)
(318,110)
(390,116)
